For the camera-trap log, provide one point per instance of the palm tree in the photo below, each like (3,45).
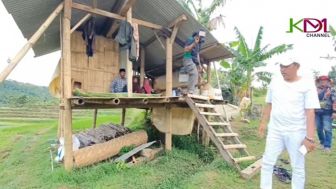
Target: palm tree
(203,15)
(247,59)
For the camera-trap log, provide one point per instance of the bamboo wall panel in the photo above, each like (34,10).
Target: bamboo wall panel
(97,72)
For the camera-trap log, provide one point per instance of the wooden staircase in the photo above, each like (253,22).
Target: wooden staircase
(220,133)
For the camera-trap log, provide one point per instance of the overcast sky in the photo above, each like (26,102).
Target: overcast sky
(247,15)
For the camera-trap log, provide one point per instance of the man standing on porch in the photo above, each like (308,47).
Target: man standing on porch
(191,59)
(291,101)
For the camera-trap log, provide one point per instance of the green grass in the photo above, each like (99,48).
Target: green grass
(25,161)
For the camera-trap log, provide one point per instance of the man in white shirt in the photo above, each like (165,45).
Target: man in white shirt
(290,104)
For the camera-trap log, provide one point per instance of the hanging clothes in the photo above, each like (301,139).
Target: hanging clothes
(126,39)
(136,39)
(89,35)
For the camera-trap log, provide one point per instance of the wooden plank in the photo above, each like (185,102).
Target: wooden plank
(204,105)
(147,24)
(241,159)
(198,97)
(210,113)
(129,154)
(66,85)
(31,42)
(234,146)
(114,16)
(251,170)
(218,123)
(226,134)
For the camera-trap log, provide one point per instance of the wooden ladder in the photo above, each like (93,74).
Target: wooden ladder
(219,131)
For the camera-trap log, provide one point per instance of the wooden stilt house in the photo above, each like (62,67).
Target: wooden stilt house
(163,26)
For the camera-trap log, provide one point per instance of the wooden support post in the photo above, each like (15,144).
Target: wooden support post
(60,131)
(169,67)
(209,73)
(169,54)
(95,118)
(205,136)
(169,81)
(142,66)
(129,64)
(168,134)
(123,114)
(31,42)
(66,85)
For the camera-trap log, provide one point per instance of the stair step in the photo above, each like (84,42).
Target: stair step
(198,97)
(251,170)
(241,159)
(226,134)
(204,105)
(210,113)
(218,123)
(234,146)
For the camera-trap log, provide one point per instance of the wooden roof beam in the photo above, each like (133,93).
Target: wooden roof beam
(114,16)
(178,20)
(124,8)
(30,43)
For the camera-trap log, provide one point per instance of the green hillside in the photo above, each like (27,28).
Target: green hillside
(13,93)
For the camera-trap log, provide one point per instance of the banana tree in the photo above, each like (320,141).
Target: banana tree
(203,13)
(247,59)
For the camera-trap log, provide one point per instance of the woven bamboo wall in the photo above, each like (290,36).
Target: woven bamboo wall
(94,73)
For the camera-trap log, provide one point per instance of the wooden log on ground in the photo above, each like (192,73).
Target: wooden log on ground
(99,152)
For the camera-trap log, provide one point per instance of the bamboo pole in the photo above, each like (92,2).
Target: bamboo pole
(80,22)
(31,42)
(95,118)
(66,85)
(129,64)
(142,66)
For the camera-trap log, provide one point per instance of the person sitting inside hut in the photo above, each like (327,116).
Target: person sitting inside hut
(119,85)
(147,86)
(136,85)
